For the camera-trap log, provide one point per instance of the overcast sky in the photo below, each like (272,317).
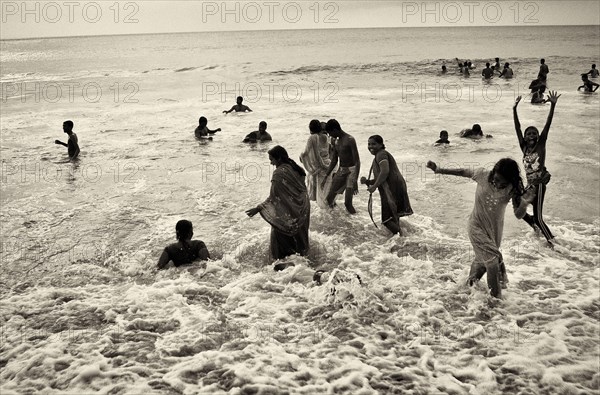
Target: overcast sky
(26,19)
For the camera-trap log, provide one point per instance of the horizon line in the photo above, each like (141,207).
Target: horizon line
(267,30)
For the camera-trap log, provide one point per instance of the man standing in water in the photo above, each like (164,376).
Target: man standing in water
(72,143)
(543,70)
(346,178)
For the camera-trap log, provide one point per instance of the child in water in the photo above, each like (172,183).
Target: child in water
(443,138)
(202,131)
(186,250)
(495,189)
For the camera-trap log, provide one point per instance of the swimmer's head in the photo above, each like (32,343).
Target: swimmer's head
(584,77)
(506,65)
(594,66)
(184,230)
(444,67)
(262,126)
(314,126)
(487,64)
(542,61)
(476,129)
(67,126)
(497,59)
(444,134)
(202,121)
(240,100)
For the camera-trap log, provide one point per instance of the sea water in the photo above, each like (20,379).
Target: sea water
(84,310)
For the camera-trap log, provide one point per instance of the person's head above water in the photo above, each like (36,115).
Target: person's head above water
(67,126)
(542,61)
(594,66)
(487,64)
(444,134)
(476,129)
(184,230)
(202,121)
(314,126)
(239,100)
(584,77)
(262,126)
(444,67)
(506,65)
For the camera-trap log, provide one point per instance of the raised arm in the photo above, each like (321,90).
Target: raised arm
(453,172)
(552,98)
(517,123)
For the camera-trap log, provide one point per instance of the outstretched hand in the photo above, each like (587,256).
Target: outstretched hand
(57,142)
(517,100)
(252,212)
(363,180)
(553,97)
(432,166)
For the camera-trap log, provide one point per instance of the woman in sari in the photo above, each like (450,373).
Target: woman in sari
(390,183)
(287,209)
(315,159)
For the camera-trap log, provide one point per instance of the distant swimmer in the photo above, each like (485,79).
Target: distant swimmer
(593,72)
(474,133)
(538,87)
(259,135)
(497,65)
(346,178)
(543,70)
(186,250)
(73,142)
(487,73)
(506,72)
(588,86)
(202,131)
(443,138)
(239,107)
(444,70)
(470,65)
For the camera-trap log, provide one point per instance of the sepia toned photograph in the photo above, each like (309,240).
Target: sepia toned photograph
(300,197)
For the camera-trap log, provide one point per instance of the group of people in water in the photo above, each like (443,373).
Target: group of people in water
(329,147)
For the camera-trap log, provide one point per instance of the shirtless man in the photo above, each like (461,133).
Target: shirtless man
(260,135)
(72,143)
(239,107)
(593,72)
(346,178)
(487,73)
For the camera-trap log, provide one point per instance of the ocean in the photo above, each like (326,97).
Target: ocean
(85,311)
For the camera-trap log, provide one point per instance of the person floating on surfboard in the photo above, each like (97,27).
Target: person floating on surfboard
(73,143)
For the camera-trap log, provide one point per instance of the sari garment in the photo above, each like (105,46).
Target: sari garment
(315,159)
(287,210)
(393,191)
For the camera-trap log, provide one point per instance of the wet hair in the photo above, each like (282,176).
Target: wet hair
(262,123)
(594,66)
(184,229)
(203,120)
(314,126)
(333,124)
(279,153)
(509,169)
(584,76)
(443,67)
(443,132)
(239,98)
(378,139)
(68,123)
(537,132)
(477,129)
